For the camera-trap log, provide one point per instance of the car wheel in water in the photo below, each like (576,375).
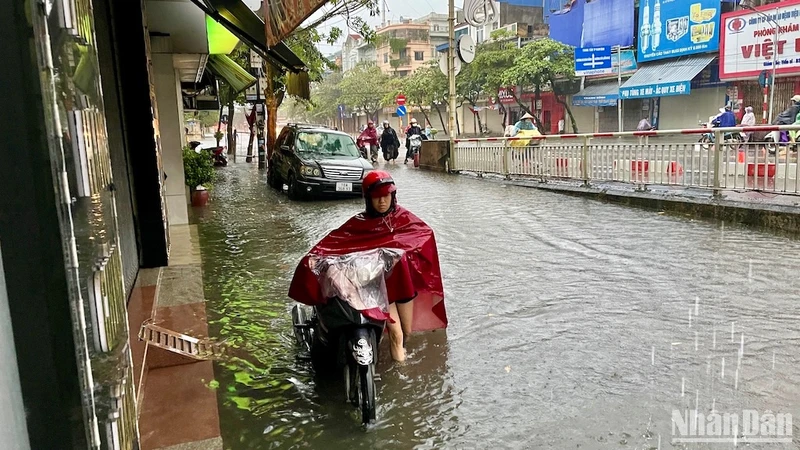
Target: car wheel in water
(294,188)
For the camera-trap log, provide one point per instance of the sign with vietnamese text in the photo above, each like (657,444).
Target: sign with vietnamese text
(592,61)
(506,95)
(656,90)
(670,28)
(748,46)
(595,100)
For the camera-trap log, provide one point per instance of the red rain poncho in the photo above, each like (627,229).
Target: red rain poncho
(369,136)
(416,275)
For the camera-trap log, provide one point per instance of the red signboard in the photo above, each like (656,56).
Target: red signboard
(506,95)
(401,100)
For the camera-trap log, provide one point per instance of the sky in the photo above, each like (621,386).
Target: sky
(395,9)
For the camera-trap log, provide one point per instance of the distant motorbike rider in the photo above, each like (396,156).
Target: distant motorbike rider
(389,142)
(412,130)
(726,119)
(370,138)
(788,116)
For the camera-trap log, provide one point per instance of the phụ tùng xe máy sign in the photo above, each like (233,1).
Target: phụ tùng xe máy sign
(282,17)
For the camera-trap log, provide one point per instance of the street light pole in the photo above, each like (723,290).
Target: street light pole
(774,66)
(451,70)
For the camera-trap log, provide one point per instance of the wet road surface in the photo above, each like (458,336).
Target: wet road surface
(572,323)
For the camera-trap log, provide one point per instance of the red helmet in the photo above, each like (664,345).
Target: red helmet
(378,183)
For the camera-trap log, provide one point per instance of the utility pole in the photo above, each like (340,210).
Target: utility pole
(451,70)
(774,66)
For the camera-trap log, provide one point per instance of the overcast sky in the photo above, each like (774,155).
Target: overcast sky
(396,9)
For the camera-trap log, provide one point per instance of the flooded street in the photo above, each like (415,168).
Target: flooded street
(572,323)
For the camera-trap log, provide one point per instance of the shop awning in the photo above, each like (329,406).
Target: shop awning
(665,78)
(602,94)
(236,77)
(247,26)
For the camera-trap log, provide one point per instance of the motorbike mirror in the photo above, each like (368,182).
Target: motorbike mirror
(285,149)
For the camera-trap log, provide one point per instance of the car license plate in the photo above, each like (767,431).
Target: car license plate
(344,187)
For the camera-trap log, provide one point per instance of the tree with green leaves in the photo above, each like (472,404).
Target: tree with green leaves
(542,65)
(365,87)
(426,88)
(485,73)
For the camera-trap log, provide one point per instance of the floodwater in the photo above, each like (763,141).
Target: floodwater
(573,324)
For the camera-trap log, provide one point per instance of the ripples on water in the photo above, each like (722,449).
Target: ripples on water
(570,321)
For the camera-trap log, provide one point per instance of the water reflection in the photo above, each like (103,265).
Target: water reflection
(573,323)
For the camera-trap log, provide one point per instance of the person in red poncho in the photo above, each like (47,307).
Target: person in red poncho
(416,295)
(370,138)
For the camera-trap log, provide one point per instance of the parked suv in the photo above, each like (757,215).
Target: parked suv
(315,160)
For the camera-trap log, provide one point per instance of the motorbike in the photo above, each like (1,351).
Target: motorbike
(362,148)
(707,139)
(217,154)
(345,332)
(776,139)
(415,144)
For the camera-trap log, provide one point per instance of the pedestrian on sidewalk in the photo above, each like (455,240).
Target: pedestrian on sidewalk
(748,120)
(644,125)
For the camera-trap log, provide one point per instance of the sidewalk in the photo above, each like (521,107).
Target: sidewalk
(177,408)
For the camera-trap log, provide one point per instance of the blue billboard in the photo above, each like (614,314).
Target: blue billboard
(671,28)
(599,23)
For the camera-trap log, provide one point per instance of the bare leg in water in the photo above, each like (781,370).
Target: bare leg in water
(403,316)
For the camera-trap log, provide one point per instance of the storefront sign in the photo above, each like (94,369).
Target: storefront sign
(284,16)
(748,45)
(506,95)
(670,28)
(595,100)
(656,90)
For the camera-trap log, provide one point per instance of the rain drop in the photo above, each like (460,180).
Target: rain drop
(714,339)
(690,317)
(722,369)
(736,380)
(653,356)
(696,344)
(697,306)
(773,360)
(750,272)
(683,386)
(732,330)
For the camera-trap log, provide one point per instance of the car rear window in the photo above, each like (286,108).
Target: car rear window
(326,144)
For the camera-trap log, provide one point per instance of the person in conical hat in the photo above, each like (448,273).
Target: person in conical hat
(525,123)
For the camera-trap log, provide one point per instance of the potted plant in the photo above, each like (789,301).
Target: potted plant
(433,133)
(198,170)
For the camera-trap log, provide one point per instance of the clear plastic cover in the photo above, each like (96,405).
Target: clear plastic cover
(415,140)
(358,278)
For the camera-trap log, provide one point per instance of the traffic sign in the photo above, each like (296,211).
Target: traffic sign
(401,99)
(593,61)
(401,110)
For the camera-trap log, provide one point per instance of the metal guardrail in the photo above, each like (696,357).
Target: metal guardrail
(721,163)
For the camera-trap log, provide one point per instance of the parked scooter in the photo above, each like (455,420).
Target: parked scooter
(217,154)
(345,332)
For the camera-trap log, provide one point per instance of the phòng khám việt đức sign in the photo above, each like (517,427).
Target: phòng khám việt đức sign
(281,17)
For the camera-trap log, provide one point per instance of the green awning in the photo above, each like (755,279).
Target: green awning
(247,26)
(227,69)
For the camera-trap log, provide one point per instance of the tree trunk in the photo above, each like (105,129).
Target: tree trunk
(439,110)
(272,111)
(477,115)
(231,135)
(569,112)
(219,123)
(424,114)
